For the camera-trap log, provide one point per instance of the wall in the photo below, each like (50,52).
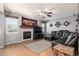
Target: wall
(26,29)
(14,37)
(70,27)
(1,26)
(78,31)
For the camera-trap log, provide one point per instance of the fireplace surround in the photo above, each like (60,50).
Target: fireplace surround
(27,34)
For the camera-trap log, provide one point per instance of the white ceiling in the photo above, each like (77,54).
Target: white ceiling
(31,10)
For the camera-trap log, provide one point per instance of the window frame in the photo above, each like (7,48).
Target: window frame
(7,25)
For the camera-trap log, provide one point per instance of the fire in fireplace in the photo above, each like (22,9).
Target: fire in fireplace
(26,34)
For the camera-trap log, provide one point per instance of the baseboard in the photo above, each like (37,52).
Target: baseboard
(10,43)
(13,43)
(1,46)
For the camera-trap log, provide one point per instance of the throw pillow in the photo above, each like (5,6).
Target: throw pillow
(71,43)
(69,38)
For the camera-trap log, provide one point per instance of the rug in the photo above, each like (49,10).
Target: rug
(39,46)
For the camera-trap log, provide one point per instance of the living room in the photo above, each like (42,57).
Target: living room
(39,29)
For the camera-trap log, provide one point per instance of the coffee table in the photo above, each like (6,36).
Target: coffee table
(61,49)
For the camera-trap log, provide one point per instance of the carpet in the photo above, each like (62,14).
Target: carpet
(39,46)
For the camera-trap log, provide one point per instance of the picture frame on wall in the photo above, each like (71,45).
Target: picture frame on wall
(26,23)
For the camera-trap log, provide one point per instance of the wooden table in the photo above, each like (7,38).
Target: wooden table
(61,50)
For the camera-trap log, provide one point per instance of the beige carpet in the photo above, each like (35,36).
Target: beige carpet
(39,46)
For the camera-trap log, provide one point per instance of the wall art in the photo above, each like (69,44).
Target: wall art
(58,24)
(51,25)
(66,23)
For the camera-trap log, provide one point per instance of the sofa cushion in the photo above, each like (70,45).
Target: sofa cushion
(71,43)
(59,34)
(66,34)
(61,40)
(71,36)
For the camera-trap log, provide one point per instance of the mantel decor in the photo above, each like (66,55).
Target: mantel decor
(66,23)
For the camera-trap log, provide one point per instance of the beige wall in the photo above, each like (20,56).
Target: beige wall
(70,27)
(1,25)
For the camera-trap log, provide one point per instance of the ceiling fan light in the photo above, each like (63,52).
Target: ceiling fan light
(49,13)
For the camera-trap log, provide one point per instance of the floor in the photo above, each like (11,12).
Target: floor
(18,49)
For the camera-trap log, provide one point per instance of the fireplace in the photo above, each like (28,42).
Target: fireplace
(26,34)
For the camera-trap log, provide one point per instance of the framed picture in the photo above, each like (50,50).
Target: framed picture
(28,22)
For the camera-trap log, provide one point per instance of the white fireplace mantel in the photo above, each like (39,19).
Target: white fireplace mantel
(28,29)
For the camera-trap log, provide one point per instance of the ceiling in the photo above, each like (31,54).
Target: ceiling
(31,10)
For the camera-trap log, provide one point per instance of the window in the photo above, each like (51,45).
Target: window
(11,25)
